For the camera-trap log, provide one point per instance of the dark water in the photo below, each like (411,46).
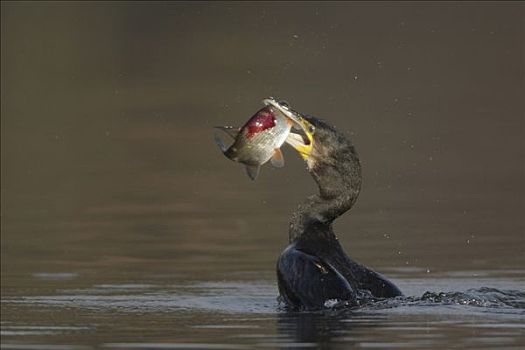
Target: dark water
(123,227)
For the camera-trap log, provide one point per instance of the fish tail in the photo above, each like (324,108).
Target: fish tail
(219,143)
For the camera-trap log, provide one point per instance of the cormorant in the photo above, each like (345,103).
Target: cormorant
(314,269)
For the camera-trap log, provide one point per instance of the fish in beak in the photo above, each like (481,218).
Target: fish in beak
(259,140)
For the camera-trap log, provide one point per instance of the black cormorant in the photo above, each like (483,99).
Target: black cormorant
(314,269)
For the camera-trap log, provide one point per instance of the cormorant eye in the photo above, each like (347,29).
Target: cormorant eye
(284,104)
(311,129)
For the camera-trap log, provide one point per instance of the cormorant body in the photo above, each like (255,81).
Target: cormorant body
(314,269)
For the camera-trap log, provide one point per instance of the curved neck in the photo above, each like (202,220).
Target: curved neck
(339,181)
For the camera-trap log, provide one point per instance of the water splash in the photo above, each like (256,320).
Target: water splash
(485,300)
(482,297)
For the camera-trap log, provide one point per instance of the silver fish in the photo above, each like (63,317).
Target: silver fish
(259,140)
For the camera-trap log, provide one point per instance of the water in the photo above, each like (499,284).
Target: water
(245,315)
(123,227)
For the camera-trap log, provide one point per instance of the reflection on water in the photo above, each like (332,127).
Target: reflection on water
(124,227)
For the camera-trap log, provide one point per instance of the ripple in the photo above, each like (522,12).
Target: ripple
(204,346)
(43,347)
(56,276)
(253,298)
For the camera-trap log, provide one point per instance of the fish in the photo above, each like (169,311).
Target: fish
(260,139)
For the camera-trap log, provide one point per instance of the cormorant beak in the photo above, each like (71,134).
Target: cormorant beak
(303,141)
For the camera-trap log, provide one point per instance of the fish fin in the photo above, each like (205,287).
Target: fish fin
(277,158)
(232,131)
(252,171)
(219,143)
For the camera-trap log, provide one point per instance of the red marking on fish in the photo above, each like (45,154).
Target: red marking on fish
(262,120)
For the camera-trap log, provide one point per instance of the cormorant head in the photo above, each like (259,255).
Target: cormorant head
(332,159)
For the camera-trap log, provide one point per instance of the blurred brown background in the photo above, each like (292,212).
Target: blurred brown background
(109,164)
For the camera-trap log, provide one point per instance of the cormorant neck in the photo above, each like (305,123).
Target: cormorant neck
(338,175)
